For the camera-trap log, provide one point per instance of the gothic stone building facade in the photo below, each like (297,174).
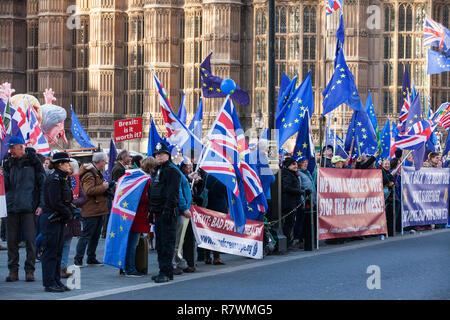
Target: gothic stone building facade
(97,55)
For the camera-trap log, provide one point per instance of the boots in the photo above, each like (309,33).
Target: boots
(29,276)
(13,276)
(65,274)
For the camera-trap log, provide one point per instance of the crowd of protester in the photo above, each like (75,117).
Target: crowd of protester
(298,185)
(51,201)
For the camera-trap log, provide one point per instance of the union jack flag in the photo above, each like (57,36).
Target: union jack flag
(416,136)
(2,129)
(333,5)
(404,112)
(177,132)
(435,34)
(35,137)
(125,204)
(442,115)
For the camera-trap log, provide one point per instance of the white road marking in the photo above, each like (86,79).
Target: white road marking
(269,260)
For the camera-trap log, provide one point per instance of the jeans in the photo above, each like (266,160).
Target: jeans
(92,227)
(298,226)
(65,252)
(133,240)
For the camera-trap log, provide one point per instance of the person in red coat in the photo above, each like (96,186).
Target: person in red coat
(140,223)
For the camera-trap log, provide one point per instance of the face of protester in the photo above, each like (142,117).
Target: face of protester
(436,160)
(100,165)
(162,158)
(410,158)
(17,151)
(127,159)
(329,153)
(293,166)
(340,164)
(65,167)
(386,165)
(303,165)
(46,164)
(187,169)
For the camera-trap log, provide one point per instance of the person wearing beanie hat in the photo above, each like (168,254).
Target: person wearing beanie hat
(57,211)
(164,196)
(291,193)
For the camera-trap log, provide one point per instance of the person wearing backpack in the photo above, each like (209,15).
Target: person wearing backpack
(93,210)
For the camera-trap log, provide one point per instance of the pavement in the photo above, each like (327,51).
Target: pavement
(413,266)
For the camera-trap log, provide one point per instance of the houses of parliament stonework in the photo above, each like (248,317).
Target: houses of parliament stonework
(97,55)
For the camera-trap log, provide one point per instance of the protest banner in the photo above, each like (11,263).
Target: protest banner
(128,129)
(350,203)
(424,196)
(3,212)
(215,231)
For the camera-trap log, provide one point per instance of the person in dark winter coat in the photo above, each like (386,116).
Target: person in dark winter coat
(73,226)
(24,178)
(164,198)
(291,195)
(217,201)
(57,211)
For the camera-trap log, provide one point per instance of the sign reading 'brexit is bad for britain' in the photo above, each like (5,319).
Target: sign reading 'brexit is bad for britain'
(128,129)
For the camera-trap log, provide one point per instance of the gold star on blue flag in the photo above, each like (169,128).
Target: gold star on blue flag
(345,91)
(437,62)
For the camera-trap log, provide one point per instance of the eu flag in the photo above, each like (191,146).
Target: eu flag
(196,127)
(79,134)
(112,160)
(288,122)
(341,88)
(370,109)
(385,142)
(211,85)
(360,134)
(153,138)
(283,96)
(125,204)
(338,146)
(437,62)
(304,145)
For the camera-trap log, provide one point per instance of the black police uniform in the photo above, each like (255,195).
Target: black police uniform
(164,196)
(57,211)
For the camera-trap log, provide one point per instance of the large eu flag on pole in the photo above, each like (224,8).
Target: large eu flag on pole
(290,118)
(211,85)
(112,160)
(125,204)
(437,62)
(79,134)
(341,88)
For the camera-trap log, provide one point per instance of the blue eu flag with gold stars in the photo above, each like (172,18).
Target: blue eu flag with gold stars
(211,85)
(125,204)
(385,139)
(290,118)
(437,62)
(341,88)
(360,135)
(79,134)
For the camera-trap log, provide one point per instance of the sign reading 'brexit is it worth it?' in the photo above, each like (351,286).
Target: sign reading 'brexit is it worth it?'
(350,203)
(128,129)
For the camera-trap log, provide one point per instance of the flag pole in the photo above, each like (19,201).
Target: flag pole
(334,144)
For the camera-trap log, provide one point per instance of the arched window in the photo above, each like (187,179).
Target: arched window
(401,18)
(306,24)
(389,18)
(283,20)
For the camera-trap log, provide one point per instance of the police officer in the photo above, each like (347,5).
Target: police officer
(57,212)
(164,197)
